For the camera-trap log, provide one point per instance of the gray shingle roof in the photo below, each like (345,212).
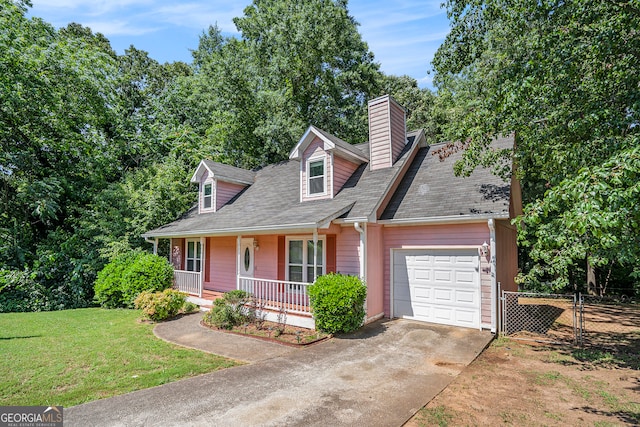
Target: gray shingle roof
(230,173)
(342,144)
(430,188)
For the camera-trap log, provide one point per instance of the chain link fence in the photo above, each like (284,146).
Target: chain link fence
(540,317)
(610,324)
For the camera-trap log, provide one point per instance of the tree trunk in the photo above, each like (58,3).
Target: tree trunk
(592,288)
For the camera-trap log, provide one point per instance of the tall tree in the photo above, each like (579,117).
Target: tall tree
(296,64)
(563,76)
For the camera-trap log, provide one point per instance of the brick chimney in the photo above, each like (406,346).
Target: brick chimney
(387,132)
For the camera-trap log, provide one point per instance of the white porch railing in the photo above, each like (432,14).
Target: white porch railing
(278,294)
(187,281)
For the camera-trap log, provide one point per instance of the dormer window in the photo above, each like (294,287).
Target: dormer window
(207,196)
(316,176)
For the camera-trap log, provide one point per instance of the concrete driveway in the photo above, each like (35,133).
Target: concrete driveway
(379,376)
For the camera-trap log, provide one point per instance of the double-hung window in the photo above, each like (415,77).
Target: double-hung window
(207,196)
(315,176)
(300,260)
(193,255)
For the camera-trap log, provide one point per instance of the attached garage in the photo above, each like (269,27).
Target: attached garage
(437,285)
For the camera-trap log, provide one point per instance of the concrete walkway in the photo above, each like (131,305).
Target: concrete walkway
(379,376)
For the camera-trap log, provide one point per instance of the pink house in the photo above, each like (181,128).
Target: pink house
(430,246)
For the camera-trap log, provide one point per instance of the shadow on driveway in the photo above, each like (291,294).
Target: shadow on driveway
(380,375)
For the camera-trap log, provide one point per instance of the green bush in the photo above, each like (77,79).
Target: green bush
(120,281)
(337,302)
(161,305)
(147,273)
(229,311)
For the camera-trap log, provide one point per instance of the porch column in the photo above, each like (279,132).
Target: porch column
(203,242)
(171,251)
(238,250)
(315,253)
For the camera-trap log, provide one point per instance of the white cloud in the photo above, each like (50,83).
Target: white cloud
(119,28)
(198,15)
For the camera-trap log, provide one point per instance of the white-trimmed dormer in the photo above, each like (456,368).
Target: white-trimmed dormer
(218,184)
(326,163)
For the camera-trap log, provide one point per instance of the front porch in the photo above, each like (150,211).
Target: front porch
(273,296)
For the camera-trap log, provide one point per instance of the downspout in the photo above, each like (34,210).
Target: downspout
(362,255)
(494,284)
(155,244)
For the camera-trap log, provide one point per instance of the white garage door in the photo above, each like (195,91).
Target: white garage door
(437,285)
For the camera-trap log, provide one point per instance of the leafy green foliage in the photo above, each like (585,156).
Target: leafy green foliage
(230,310)
(337,302)
(563,77)
(97,148)
(120,281)
(20,292)
(161,305)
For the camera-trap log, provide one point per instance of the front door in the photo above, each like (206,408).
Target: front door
(246,258)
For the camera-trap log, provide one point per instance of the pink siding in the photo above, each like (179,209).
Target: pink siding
(316,150)
(221,254)
(375,270)
(347,248)
(439,235)
(398,129)
(224,192)
(387,133)
(266,258)
(379,138)
(342,171)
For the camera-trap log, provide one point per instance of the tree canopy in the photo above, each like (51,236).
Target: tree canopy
(97,148)
(564,77)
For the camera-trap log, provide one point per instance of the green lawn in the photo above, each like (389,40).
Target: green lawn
(75,356)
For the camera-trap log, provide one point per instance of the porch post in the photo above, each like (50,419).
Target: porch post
(238,250)
(203,242)
(171,251)
(315,253)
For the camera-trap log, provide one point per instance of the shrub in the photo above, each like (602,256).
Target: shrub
(147,273)
(120,281)
(108,284)
(337,302)
(229,311)
(161,305)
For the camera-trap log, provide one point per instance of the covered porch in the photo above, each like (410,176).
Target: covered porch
(276,266)
(272,296)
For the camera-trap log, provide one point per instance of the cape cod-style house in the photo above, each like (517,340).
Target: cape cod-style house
(430,246)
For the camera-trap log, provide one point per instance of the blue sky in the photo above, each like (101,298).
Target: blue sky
(403,35)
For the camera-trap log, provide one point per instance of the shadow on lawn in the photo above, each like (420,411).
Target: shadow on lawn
(20,338)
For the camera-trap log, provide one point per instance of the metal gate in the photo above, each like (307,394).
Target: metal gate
(608,323)
(541,317)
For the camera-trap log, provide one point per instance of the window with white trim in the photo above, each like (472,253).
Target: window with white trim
(300,253)
(316,174)
(207,196)
(192,255)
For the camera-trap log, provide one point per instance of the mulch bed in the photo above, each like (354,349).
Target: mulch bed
(291,336)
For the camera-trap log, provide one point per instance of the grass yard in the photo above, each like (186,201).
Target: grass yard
(75,356)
